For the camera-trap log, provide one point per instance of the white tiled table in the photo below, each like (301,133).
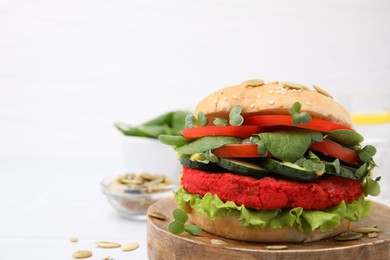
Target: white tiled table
(44,203)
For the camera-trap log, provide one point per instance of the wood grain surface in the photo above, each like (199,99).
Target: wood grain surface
(164,245)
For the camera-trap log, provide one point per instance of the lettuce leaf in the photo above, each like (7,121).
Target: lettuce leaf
(305,220)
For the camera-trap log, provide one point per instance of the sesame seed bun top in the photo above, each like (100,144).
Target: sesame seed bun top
(273,98)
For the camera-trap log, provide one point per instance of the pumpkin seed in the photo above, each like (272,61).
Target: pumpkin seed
(349,235)
(372,234)
(152,183)
(322,91)
(365,230)
(292,85)
(82,254)
(129,246)
(218,242)
(73,239)
(253,83)
(157,215)
(146,176)
(276,247)
(107,244)
(305,87)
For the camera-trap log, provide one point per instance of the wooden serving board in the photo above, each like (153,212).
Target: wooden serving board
(164,245)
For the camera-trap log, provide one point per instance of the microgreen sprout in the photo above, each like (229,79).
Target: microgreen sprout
(207,157)
(371,187)
(210,156)
(261,149)
(314,164)
(220,121)
(299,117)
(361,172)
(336,164)
(295,108)
(235,117)
(317,136)
(202,119)
(367,153)
(179,225)
(191,120)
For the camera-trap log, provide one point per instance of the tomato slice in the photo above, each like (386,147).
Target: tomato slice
(286,120)
(245,150)
(337,151)
(242,131)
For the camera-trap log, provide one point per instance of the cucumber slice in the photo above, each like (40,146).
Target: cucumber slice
(243,167)
(289,170)
(211,167)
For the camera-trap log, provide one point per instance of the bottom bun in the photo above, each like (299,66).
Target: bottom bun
(230,227)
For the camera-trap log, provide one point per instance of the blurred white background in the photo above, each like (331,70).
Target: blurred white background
(70,69)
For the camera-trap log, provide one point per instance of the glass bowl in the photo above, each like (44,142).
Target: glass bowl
(133,201)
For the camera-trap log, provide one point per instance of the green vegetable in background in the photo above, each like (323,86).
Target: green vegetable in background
(170,123)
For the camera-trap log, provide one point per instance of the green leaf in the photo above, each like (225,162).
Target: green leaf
(176,227)
(173,140)
(367,153)
(180,215)
(206,143)
(193,229)
(178,122)
(306,220)
(346,137)
(220,121)
(168,123)
(287,145)
(163,119)
(154,130)
(130,131)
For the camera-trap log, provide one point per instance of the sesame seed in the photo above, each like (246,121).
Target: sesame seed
(235,97)
(225,98)
(271,102)
(271,92)
(252,105)
(216,101)
(258,95)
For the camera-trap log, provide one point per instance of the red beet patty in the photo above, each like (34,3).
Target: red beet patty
(269,193)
